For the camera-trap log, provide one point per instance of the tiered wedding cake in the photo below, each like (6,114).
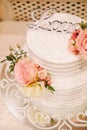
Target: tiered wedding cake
(53,76)
(47,42)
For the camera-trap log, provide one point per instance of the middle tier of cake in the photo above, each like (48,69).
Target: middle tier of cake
(70,83)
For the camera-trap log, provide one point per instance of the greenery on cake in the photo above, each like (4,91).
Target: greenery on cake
(14,56)
(83,25)
(78,41)
(26,72)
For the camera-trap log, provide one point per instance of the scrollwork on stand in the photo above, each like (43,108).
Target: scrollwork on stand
(80,120)
(41,120)
(23,110)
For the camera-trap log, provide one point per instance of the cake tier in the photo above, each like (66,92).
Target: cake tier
(48,48)
(64,76)
(48,38)
(70,83)
(63,102)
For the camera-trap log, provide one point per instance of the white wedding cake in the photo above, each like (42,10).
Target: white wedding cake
(47,41)
(44,82)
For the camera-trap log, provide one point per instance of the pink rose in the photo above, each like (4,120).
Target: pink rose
(25,72)
(73,47)
(47,78)
(75,34)
(82,43)
(49,82)
(42,74)
(36,65)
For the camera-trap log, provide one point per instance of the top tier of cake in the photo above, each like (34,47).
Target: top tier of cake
(48,40)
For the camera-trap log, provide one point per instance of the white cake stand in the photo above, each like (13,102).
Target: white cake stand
(23,109)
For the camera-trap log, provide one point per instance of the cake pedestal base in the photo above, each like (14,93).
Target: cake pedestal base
(28,114)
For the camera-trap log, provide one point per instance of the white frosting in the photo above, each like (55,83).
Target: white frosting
(52,46)
(71,89)
(69,82)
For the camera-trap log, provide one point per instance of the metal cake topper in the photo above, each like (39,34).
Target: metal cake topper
(44,23)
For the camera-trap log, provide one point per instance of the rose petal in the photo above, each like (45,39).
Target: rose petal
(25,72)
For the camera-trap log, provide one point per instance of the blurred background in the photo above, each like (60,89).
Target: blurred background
(20,10)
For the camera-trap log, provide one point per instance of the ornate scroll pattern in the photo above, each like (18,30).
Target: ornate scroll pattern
(80,120)
(42,120)
(30,115)
(55,25)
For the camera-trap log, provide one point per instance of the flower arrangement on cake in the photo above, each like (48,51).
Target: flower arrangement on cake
(28,74)
(32,76)
(78,41)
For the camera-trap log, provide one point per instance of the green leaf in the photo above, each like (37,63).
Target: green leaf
(52,121)
(83,25)
(18,58)
(9,58)
(11,67)
(25,55)
(50,88)
(14,56)
(3,61)
(21,51)
(18,46)
(11,48)
(16,53)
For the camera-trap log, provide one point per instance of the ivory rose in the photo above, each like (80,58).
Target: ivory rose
(81,42)
(25,72)
(42,74)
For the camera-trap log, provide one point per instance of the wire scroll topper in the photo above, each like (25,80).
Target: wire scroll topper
(44,23)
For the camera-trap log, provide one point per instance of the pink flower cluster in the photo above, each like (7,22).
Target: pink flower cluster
(78,43)
(42,74)
(27,72)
